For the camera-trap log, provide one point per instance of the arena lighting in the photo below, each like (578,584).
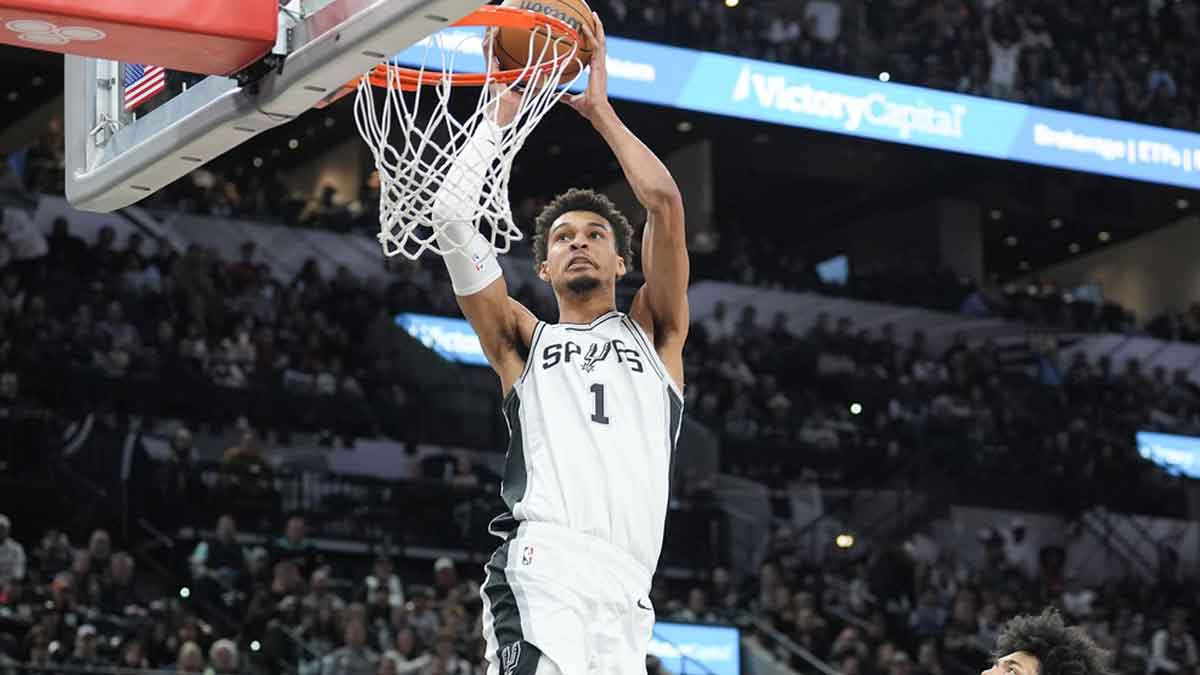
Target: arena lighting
(1073,248)
(1182,203)
(996,214)
(1056,223)
(293,144)
(185,592)
(684,126)
(885,76)
(1023,265)
(1010,240)
(844,540)
(255,646)
(856,408)
(258,162)
(1104,236)
(731,3)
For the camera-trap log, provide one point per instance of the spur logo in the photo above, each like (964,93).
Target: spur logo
(509,656)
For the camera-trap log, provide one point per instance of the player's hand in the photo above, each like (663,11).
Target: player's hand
(594,99)
(504,101)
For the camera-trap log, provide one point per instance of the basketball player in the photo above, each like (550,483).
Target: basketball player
(1044,645)
(593,403)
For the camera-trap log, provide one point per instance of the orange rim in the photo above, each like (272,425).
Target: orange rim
(409,79)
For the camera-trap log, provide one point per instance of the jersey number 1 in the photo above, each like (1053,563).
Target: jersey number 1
(598,393)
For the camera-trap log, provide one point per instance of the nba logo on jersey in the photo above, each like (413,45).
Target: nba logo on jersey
(527,556)
(478,262)
(509,657)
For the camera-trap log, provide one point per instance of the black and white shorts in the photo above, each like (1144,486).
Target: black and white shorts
(569,599)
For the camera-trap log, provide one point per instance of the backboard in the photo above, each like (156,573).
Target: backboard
(115,158)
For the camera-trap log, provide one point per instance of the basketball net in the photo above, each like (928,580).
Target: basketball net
(415,140)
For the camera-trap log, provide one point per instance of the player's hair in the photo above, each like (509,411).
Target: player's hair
(1059,649)
(577,199)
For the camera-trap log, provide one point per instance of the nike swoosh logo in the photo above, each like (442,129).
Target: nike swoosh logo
(639,604)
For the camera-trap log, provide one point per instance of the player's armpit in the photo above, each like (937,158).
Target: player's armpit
(504,326)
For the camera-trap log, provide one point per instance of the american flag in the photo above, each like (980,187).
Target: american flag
(142,83)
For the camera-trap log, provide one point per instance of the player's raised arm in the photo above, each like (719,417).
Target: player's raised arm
(664,241)
(503,325)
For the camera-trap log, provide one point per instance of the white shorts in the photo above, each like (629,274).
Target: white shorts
(570,598)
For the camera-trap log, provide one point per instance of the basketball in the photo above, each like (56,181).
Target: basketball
(513,45)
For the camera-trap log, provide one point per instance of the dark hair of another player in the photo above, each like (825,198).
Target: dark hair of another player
(577,199)
(1059,649)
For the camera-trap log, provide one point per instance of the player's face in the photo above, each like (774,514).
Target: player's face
(1016,663)
(581,253)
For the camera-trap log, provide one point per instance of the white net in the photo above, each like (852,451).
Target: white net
(415,140)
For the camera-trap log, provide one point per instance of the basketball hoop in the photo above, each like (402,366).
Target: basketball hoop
(415,139)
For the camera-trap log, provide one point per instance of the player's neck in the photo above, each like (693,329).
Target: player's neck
(575,309)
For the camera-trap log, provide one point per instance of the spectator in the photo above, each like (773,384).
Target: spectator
(85,579)
(383,577)
(100,550)
(354,658)
(190,659)
(222,658)
(1172,650)
(928,660)
(448,587)
(221,557)
(177,478)
(85,654)
(319,594)
(697,609)
(450,662)
(133,656)
(928,618)
(119,594)
(407,654)
(900,664)
(66,251)
(294,546)
(12,559)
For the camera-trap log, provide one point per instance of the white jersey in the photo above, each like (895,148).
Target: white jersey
(593,423)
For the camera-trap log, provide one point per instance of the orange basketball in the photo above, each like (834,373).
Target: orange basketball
(513,45)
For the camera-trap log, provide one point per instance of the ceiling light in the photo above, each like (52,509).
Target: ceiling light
(996,214)
(1023,265)
(258,162)
(684,126)
(731,3)
(885,76)
(1104,236)
(1073,248)
(1182,203)
(1056,223)
(1010,240)
(293,144)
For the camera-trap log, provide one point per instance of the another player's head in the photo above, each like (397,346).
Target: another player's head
(582,244)
(1045,645)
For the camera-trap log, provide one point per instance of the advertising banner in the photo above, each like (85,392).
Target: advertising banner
(867,108)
